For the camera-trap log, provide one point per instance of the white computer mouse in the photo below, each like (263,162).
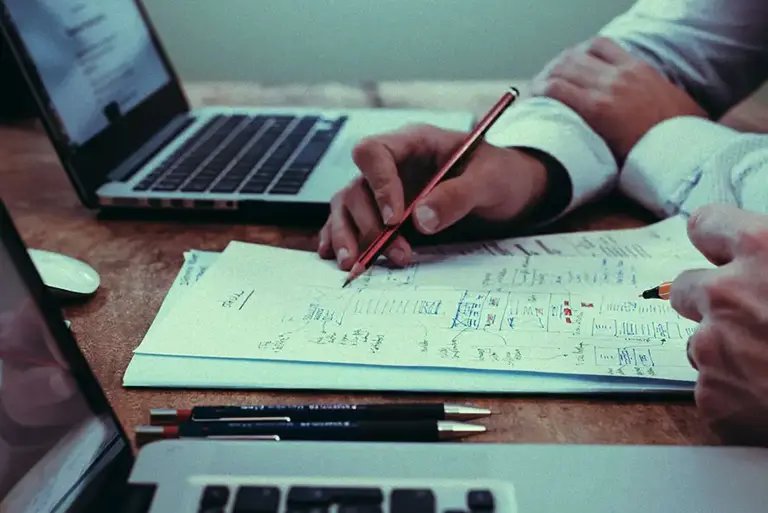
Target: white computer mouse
(65,276)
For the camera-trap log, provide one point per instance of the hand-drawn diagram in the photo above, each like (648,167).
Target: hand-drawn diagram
(552,332)
(524,313)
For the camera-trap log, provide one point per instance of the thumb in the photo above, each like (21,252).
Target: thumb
(448,203)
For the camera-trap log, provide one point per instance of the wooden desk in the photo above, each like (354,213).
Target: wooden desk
(138,261)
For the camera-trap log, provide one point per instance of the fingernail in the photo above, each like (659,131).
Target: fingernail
(342,255)
(387,214)
(321,244)
(426,218)
(397,255)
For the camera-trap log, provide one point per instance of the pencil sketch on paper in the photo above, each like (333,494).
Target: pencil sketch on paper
(527,313)
(549,332)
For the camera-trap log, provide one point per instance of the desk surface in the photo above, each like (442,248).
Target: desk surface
(139,260)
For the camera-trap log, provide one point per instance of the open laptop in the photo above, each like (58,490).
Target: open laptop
(116,114)
(63,450)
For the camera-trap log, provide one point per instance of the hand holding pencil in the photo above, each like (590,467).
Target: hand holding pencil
(494,183)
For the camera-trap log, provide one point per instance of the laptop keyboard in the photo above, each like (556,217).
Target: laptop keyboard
(246,154)
(344,499)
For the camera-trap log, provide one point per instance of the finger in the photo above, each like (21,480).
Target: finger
(610,52)
(378,159)
(362,210)
(449,202)
(50,397)
(399,252)
(688,292)
(565,92)
(364,213)
(723,232)
(324,248)
(342,233)
(703,347)
(689,354)
(581,69)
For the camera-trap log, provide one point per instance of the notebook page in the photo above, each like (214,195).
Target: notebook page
(664,239)
(548,314)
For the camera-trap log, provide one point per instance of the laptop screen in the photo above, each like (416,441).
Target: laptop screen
(95,58)
(52,443)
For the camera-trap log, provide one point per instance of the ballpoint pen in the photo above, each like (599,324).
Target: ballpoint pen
(317,412)
(458,158)
(417,431)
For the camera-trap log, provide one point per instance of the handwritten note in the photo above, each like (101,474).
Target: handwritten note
(664,239)
(578,315)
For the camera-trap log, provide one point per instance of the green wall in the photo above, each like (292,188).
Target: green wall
(283,41)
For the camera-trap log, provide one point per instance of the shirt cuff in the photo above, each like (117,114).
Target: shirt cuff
(665,164)
(550,127)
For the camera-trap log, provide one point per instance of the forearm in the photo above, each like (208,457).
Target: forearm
(579,163)
(714,49)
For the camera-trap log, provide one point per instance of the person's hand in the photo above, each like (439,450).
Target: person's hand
(730,346)
(496,184)
(618,95)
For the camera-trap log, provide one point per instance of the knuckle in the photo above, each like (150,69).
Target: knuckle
(751,240)
(596,44)
(600,103)
(553,87)
(722,293)
(704,342)
(364,148)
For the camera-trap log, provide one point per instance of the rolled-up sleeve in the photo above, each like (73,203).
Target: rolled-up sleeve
(714,49)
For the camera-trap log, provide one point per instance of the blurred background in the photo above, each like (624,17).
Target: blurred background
(312,41)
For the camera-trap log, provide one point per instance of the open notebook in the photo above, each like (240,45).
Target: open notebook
(665,239)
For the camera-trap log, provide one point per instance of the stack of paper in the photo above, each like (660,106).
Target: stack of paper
(548,314)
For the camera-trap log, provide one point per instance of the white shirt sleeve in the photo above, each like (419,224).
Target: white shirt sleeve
(714,49)
(688,162)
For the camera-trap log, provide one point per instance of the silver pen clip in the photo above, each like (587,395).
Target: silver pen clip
(247,419)
(269,438)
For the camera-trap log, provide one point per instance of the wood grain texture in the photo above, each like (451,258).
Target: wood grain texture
(139,260)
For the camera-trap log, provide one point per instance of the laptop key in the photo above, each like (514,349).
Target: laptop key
(299,495)
(196,186)
(214,496)
(359,508)
(404,500)
(254,188)
(257,499)
(226,185)
(285,190)
(480,500)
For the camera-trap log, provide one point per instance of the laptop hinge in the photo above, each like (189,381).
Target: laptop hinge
(160,140)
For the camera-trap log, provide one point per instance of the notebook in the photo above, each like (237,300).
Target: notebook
(662,239)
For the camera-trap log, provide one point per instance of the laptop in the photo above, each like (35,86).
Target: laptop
(62,449)
(116,114)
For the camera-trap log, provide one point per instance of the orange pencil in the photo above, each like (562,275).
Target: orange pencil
(660,292)
(378,246)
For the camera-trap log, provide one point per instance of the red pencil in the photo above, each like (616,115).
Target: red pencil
(378,246)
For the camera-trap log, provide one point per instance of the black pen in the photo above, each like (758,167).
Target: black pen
(317,413)
(416,431)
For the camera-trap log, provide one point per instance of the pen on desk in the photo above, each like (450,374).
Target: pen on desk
(317,412)
(417,431)
(659,292)
(378,246)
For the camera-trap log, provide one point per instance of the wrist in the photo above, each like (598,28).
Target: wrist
(551,187)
